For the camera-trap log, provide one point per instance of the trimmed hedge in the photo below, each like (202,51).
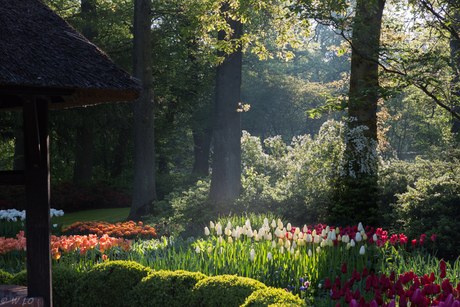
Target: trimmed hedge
(5,277)
(64,281)
(19,279)
(272,296)
(224,290)
(109,284)
(127,283)
(166,288)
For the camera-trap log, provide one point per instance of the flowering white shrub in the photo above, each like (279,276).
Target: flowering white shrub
(365,155)
(14,215)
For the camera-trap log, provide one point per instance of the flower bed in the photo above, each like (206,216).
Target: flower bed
(321,264)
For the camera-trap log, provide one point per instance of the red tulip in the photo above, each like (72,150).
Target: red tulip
(327,284)
(338,282)
(402,239)
(392,276)
(443,274)
(414,242)
(344,268)
(348,296)
(433,237)
(432,277)
(416,297)
(378,298)
(365,272)
(357,295)
(369,281)
(422,239)
(374,304)
(402,301)
(442,266)
(449,301)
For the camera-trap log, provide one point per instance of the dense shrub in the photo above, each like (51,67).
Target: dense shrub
(109,284)
(5,277)
(166,288)
(193,204)
(224,291)
(294,181)
(64,281)
(431,208)
(68,197)
(271,296)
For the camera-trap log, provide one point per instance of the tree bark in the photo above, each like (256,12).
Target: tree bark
(455,87)
(357,196)
(119,155)
(202,146)
(226,163)
(83,168)
(144,192)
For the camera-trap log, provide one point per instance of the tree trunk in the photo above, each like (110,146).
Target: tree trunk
(226,163)
(144,192)
(202,146)
(455,87)
(357,196)
(83,168)
(119,155)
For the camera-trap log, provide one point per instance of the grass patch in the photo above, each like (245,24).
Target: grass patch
(107,215)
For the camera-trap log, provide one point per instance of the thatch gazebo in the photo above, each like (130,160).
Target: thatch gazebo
(46,64)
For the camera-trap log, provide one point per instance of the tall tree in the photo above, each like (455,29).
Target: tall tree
(359,180)
(144,192)
(83,167)
(226,174)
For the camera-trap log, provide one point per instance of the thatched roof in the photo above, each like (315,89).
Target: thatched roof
(41,53)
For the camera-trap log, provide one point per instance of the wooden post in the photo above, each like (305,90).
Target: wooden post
(37,188)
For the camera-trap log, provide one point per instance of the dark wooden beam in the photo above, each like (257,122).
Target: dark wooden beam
(12,178)
(36,90)
(37,188)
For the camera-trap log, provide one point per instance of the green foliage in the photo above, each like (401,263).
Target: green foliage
(193,205)
(429,208)
(64,281)
(5,277)
(109,284)
(166,288)
(270,296)
(395,178)
(19,279)
(224,290)
(354,201)
(179,180)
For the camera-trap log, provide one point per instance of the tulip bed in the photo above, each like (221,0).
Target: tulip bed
(324,265)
